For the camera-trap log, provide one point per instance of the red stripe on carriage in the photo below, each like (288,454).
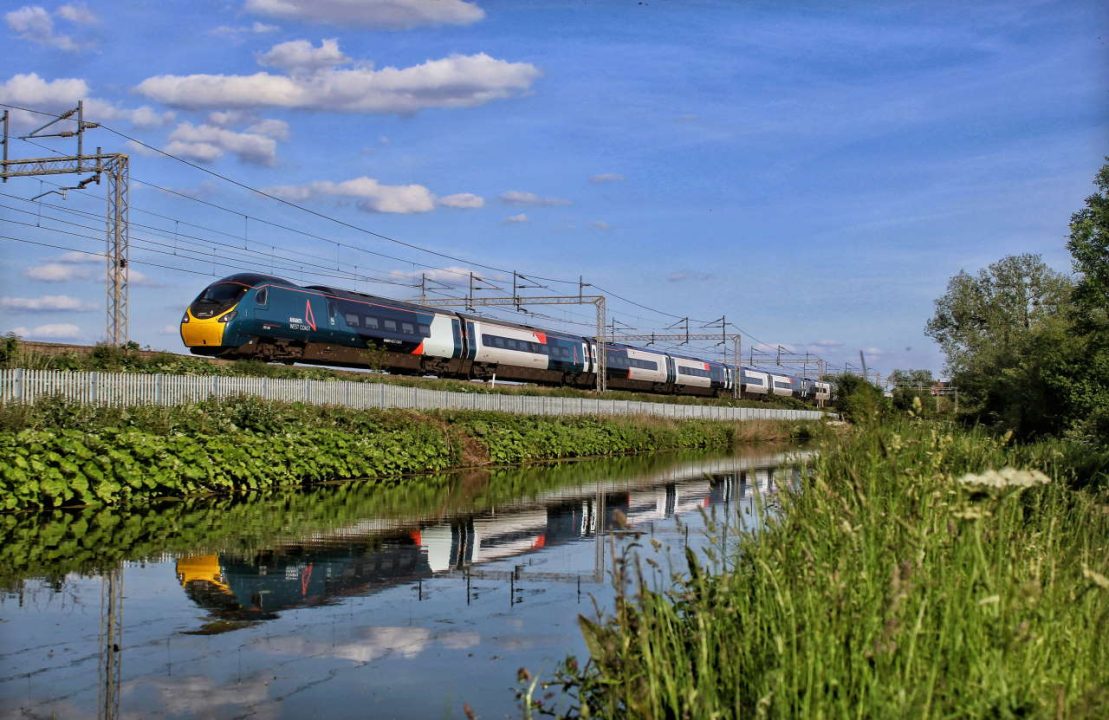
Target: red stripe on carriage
(541,337)
(419,349)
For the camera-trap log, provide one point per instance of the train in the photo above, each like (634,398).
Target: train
(261,317)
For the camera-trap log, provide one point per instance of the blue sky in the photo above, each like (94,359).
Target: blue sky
(814,172)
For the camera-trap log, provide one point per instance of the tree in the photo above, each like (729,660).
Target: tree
(913,384)
(1088,388)
(1089,248)
(1003,332)
(985,318)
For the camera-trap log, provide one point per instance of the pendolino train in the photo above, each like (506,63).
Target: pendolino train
(252,316)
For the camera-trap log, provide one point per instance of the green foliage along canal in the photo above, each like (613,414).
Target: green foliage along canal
(56,454)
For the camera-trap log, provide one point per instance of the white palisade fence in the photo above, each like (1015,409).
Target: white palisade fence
(122,389)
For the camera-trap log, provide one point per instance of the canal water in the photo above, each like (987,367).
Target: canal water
(418,599)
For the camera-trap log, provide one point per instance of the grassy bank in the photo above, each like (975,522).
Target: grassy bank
(903,580)
(56,454)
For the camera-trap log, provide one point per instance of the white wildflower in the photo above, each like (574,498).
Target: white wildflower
(1005,478)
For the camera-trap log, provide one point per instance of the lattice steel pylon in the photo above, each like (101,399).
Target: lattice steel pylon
(118,234)
(119,246)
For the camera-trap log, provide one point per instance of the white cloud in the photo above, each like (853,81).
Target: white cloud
(53,331)
(387,14)
(58,272)
(30,90)
(170,330)
(77,13)
(75,256)
(276,129)
(826,344)
(46,303)
(462,200)
(521,218)
(299,56)
(235,31)
(372,196)
(606,178)
(207,143)
(34,24)
(600,225)
(451,82)
(454,275)
(141,279)
(518,197)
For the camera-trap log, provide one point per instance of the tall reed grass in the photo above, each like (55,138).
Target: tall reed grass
(899,580)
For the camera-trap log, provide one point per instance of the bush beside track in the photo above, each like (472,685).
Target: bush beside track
(57,454)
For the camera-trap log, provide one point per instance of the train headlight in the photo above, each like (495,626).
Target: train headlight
(185,317)
(229,316)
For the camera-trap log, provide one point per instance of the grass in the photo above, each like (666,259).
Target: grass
(897,582)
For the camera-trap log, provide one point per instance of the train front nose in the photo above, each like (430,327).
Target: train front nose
(205,321)
(202,332)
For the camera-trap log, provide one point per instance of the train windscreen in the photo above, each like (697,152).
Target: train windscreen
(217,298)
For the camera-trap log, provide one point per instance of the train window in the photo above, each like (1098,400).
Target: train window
(352,319)
(425,330)
(262,296)
(391,325)
(371,322)
(408,328)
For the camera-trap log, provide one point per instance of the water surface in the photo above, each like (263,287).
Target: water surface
(354,600)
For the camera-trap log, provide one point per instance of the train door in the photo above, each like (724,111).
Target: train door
(671,372)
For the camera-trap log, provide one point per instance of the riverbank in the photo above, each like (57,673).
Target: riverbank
(57,454)
(921,571)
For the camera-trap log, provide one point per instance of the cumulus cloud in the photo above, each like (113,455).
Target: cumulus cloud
(385,14)
(518,197)
(298,56)
(34,24)
(606,178)
(513,219)
(56,272)
(451,82)
(46,303)
(235,32)
(207,143)
(462,200)
(28,89)
(50,331)
(455,275)
(77,13)
(372,196)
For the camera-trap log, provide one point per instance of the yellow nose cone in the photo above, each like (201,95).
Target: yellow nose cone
(203,333)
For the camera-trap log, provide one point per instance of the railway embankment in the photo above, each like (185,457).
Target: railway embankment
(57,453)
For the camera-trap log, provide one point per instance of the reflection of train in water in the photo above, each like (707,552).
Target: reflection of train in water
(373,556)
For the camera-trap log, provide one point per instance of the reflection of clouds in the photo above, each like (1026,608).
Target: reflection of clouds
(196,696)
(372,643)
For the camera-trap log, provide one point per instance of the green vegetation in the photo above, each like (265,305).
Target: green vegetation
(1028,347)
(57,454)
(923,568)
(905,578)
(15,354)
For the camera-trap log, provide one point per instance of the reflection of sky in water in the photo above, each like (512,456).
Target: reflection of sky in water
(369,618)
